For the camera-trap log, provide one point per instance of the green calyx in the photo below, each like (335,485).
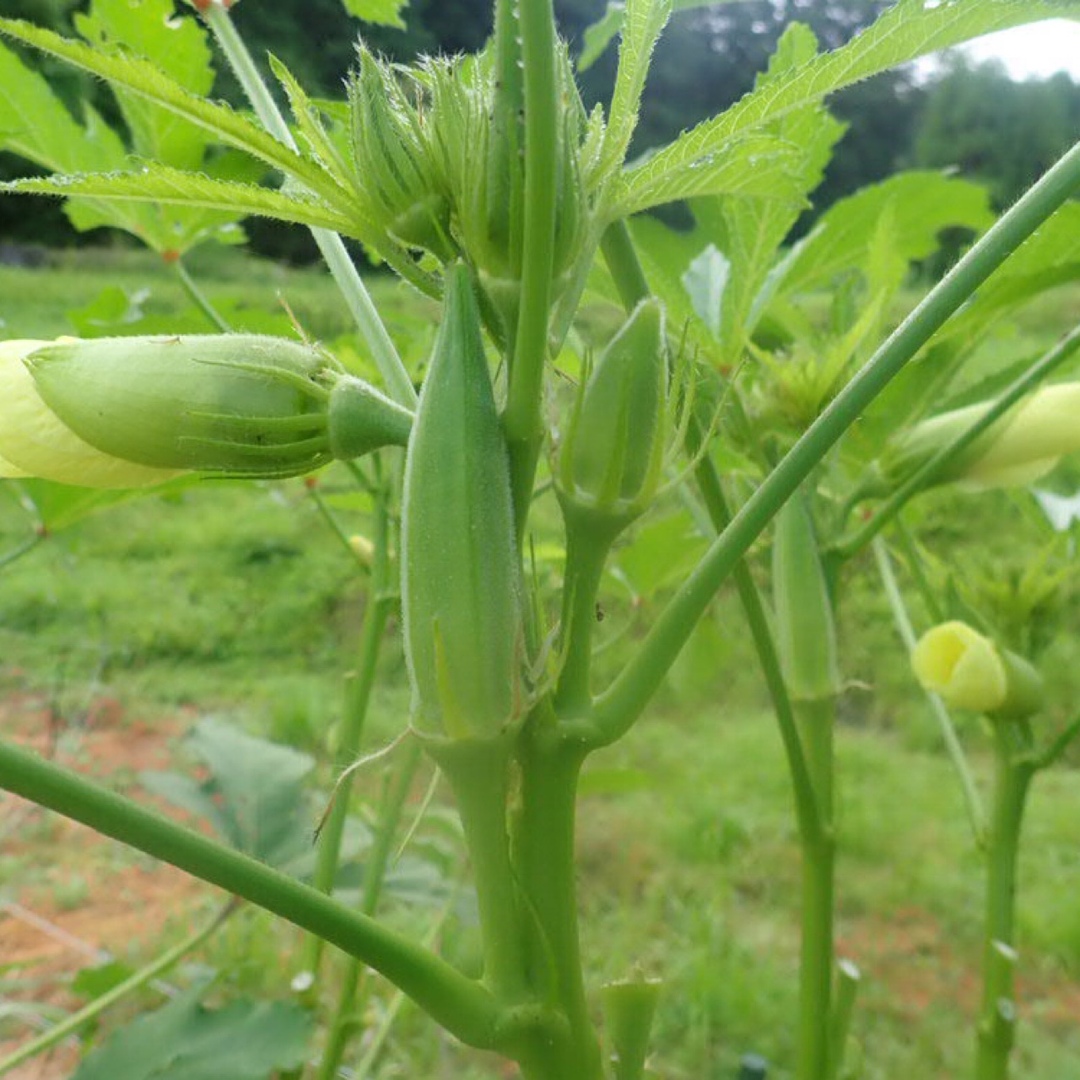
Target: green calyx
(460,593)
(242,405)
(611,458)
(396,173)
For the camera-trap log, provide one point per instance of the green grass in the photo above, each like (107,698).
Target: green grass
(237,599)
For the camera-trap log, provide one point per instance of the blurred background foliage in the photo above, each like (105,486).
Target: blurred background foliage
(957,115)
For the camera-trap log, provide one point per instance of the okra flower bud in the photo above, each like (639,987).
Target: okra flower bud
(120,412)
(1027,442)
(970,672)
(611,457)
(459,590)
(394,167)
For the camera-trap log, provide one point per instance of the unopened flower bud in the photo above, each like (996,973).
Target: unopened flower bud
(1025,444)
(394,168)
(610,460)
(117,412)
(969,671)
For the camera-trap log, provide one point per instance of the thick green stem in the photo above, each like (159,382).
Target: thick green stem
(997,1015)
(544,840)
(460,1005)
(479,774)
(624,701)
(617,247)
(523,421)
(333,250)
(344,1023)
(586,554)
(816,720)
(70,1025)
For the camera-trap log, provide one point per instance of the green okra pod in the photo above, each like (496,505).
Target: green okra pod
(460,595)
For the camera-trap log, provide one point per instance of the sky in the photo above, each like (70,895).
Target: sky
(1038,50)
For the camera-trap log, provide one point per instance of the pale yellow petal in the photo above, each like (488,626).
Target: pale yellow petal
(33,441)
(961,665)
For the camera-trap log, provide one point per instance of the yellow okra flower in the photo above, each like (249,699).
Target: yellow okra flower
(970,672)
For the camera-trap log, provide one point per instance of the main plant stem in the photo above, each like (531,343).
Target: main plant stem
(816,720)
(997,1017)
(544,841)
(522,420)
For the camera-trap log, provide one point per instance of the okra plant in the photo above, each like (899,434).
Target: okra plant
(483,182)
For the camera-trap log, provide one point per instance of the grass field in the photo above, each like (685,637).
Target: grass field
(236,600)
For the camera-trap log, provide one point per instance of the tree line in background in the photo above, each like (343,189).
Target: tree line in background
(973,118)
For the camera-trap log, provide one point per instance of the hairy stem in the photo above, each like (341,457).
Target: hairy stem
(199,298)
(459,1004)
(359,685)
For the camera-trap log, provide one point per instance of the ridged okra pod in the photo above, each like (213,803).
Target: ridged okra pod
(460,595)
(806,633)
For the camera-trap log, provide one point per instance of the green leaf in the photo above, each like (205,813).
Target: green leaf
(910,29)
(39,127)
(114,312)
(160,184)
(1047,259)
(93,982)
(383,12)
(253,796)
(661,553)
(245,1040)
(921,205)
(36,125)
(749,230)
(600,34)
(310,125)
(146,79)
(179,47)
(757,164)
(706,281)
(644,21)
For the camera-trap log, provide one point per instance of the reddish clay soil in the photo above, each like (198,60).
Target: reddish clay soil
(75,896)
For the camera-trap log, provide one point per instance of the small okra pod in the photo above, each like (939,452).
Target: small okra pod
(805,627)
(460,594)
